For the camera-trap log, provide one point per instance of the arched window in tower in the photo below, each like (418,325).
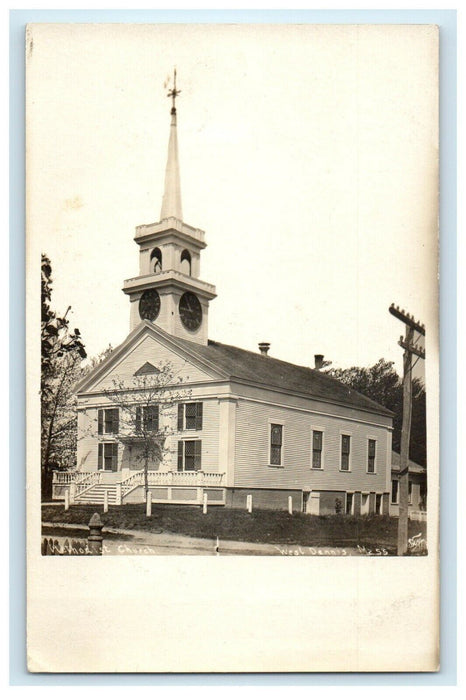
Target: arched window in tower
(156,260)
(186,262)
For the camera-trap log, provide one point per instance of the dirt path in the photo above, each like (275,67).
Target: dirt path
(138,542)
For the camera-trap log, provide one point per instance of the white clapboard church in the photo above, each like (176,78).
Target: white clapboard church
(250,425)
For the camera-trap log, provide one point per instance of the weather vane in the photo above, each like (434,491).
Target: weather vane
(173,93)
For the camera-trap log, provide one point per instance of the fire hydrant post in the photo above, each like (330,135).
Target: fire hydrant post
(149,504)
(249,503)
(204,503)
(95,535)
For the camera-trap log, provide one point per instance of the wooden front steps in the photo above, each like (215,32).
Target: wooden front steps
(95,494)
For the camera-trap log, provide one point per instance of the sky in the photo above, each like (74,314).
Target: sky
(308,154)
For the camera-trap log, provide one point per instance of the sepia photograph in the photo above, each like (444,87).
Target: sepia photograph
(232,267)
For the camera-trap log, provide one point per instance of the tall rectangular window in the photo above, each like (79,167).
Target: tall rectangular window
(147,418)
(190,416)
(371,456)
(189,455)
(395,491)
(276,444)
(107,421)
(345,453)
(317,439)
(108,456)
(410,492)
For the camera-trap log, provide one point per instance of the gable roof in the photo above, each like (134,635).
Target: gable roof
(413,467)
(144,329)
(230,362)
(255,368)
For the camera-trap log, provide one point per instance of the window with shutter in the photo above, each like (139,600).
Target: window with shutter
(108,421)
(189,455)
(138,419)
(190,416)
(276,444)
(108,456)
(317,449)
(151,418)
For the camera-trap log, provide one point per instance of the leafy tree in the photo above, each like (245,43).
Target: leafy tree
(382,383)
(62,352)
(98,359)
(147,407)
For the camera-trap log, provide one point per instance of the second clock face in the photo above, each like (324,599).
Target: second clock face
(190,311)
(149,305)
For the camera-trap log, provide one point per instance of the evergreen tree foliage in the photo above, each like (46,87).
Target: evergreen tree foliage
(382,383)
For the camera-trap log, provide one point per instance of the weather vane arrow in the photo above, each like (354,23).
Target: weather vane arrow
(173,93)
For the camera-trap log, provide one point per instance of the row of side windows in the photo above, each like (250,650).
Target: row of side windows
(147,418)
(317,448)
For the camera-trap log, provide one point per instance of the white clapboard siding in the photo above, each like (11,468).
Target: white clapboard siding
(88,442)
(252,451)
(149,350)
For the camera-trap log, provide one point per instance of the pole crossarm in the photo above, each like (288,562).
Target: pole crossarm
(411,347)
(408,319)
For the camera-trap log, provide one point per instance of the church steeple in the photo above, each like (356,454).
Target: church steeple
(168,291)
(171,202)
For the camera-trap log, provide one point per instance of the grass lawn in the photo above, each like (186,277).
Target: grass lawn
(274,527)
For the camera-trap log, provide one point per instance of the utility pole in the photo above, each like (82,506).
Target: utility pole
(410,348)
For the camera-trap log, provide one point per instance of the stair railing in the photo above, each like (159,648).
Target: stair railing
(136,479)
(90,479)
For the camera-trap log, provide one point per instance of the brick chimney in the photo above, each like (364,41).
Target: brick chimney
(264,348)
(318,361)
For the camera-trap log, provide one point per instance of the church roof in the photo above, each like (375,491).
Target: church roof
(254,368)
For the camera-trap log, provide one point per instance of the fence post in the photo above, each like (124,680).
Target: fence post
(249,503)
(118,495)
(290,505)
(106,501)
(204,503)
(149,503)
(94,539)
(67,499)
(72,492)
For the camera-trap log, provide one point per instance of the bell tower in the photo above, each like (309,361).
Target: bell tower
(168,291)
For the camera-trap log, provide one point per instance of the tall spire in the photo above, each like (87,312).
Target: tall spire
(171,202)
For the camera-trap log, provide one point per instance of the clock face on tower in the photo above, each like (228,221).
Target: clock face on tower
(190,311)
(149,305)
